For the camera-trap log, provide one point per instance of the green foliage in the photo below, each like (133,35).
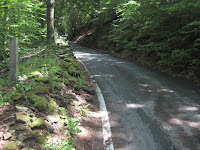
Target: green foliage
(23,19)
(5,97)
(84,110)
(72,131)
(162,30)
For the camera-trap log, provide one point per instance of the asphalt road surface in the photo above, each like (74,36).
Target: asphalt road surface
(147,109)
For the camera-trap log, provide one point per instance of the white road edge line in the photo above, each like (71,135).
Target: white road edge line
(107,136)
(108,144)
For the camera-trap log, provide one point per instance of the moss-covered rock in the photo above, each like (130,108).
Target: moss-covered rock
(37,122)
(43,80)
(40,102)
(52,106)
(11,145)
(16,95)
(22,117)
(35,74)
(58,85)
(41,139)
(38,89)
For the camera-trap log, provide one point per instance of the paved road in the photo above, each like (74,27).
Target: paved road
(147,110)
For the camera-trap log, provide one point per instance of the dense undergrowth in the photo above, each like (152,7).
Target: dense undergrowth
(43,82)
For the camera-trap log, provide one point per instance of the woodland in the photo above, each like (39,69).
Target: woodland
(165,30)
(164,34)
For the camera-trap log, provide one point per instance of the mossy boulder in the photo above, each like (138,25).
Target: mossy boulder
(12,145)
(40,102)
(37,122)
(22,117)
(16,95)
(52,106)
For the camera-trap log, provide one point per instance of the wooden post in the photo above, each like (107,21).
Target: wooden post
(14,59)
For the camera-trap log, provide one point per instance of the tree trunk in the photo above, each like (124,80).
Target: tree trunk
(50,22)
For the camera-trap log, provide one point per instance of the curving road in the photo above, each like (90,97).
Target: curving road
(147,110)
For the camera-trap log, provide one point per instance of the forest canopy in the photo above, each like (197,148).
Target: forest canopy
(167,30)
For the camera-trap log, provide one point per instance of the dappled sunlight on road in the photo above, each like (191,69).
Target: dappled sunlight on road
(105,75)
(188,108)
(134,106)
(177,121)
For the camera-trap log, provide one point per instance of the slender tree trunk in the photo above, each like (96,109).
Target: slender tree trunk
(50,22)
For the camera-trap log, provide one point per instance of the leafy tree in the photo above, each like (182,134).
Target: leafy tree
(24,19)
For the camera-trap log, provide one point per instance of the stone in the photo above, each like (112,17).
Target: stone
(89,90)
(21,137)
(37,122)
(27,136)
(7,136)
(20,145)
(49,126)
(11,131)
(10,123)
(32,143)
(23,127)
(53,119)
(21,108)
(21,117)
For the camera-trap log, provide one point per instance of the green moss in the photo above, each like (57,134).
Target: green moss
(41,140)
(1,88)
(74,72)
(34,74)
(59,85)
(44,80)
(40,102)
(16,95)
(53,107)
(68,59)
(21,117)
(12,145)
(36,123)
(77,87)
(38,89)
(57,79)
(35,132)
(66,82)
